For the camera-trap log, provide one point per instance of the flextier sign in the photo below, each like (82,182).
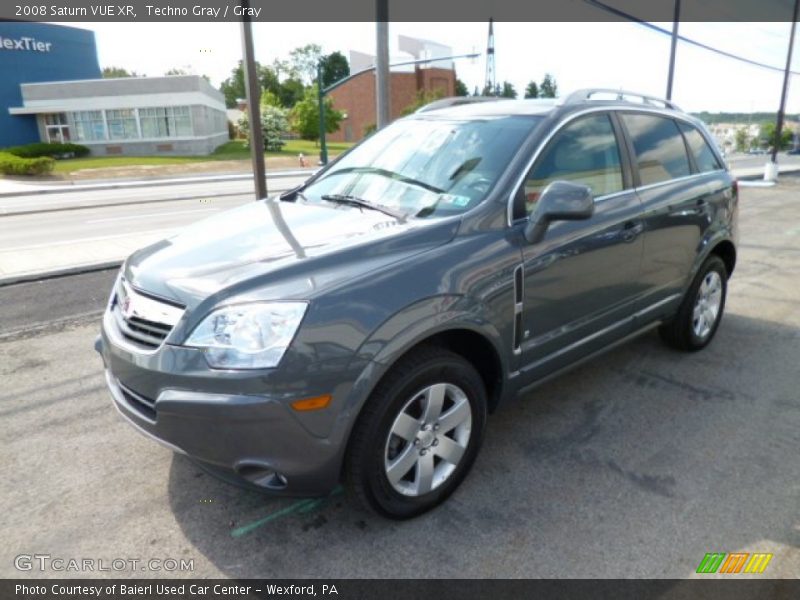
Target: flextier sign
(24,43)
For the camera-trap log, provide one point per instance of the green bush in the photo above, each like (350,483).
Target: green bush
(45,149)
(16,165)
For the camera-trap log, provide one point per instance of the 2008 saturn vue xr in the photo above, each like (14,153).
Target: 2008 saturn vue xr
(362,326)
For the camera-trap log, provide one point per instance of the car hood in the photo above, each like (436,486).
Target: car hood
(273,249)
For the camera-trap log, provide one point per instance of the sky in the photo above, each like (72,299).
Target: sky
(579,55)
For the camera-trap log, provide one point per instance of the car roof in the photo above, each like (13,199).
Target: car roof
(499,107)
(467,108)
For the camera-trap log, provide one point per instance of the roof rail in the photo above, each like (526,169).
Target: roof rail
(585,95)
(457,101)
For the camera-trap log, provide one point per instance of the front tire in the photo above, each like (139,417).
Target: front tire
(418,434)
(700,313)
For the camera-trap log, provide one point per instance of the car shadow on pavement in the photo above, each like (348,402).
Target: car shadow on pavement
(635,464)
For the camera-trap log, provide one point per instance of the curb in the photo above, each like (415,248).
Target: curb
(38,211)
(63,272)
(756,176)
(84,187)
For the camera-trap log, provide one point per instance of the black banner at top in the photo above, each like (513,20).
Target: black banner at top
(399,10)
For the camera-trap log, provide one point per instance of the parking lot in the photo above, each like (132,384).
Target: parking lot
(633,465)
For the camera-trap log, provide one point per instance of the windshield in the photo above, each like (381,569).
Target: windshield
(426,167)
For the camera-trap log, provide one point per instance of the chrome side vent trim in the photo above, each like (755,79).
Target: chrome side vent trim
(519,289)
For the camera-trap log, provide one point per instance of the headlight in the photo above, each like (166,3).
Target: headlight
(248,336)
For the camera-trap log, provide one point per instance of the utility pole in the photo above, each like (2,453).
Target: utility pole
(253,92)
(382,109)
(771,170)
(675,22)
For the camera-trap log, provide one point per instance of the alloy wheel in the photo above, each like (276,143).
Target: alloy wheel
(428,439)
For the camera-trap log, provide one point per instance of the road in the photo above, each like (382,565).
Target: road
(83,228)
(740,161)
(634,465)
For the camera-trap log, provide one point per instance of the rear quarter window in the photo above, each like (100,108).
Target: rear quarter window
(659,148)
(704,156)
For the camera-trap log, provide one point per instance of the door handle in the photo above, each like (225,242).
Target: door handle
(630,230)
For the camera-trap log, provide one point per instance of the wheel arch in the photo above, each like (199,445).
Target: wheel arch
(727,252)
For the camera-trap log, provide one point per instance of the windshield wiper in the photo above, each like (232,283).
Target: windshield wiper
(351,200)
(390,175)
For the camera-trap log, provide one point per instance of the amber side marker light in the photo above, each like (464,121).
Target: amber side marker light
(316,403)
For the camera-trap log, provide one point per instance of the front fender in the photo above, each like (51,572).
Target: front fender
(426,318)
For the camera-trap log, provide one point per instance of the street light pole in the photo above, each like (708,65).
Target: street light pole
(323,146)
(771,171)
(675,21)
(253,93)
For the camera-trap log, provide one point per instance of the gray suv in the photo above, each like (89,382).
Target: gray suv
(361,327)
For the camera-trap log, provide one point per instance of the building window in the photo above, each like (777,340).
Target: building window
(122,124)
(89,125)
(164,122)
(57,129)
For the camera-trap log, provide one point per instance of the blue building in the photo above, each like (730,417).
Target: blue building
(33,53)
(52,90)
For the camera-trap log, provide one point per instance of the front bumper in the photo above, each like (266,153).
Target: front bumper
(226,421)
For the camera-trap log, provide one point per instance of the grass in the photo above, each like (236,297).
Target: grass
(233,150)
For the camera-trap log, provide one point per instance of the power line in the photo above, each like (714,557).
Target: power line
(629,17)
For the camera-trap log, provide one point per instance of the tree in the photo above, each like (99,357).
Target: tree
(532,91)
(769,139)
(274,125)
(423,97)
(742,140)
(304,117)
(269,98)
(461,88)
(233,87)
(334,68)
(303,62)
(548,88)
(508,91)
(268,79)
(291,92)
(117,72)
(176,71)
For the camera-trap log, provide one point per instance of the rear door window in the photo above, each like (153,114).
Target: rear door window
(704,156)
(659,147)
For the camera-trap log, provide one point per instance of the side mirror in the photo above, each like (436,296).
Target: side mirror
(560,201)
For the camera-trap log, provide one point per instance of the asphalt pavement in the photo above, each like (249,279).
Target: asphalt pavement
(636,464)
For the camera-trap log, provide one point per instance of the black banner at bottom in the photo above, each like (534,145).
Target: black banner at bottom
(390,589)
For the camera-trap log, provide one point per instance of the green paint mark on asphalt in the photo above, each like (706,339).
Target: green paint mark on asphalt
(245,529)
(300,507)
(311,506)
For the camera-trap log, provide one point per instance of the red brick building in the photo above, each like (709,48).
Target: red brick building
(356,98)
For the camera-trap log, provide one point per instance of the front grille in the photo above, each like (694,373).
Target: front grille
(141,320)
(143,405)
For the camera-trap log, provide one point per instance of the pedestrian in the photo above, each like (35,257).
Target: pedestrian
(302,158)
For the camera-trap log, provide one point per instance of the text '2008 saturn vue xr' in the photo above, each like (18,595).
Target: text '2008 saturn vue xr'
(360,327)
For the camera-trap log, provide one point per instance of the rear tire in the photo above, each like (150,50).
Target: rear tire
(418,434)
(700,312)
